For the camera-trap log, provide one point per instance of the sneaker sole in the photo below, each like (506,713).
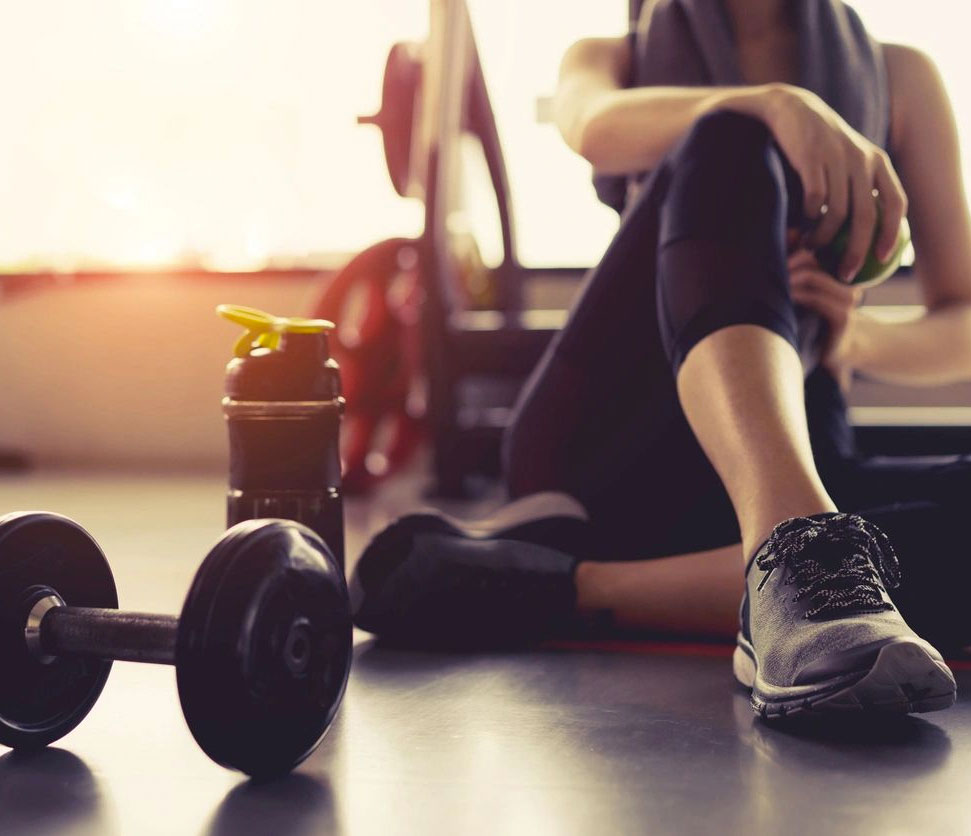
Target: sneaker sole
(903,679)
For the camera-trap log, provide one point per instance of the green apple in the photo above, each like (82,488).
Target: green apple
(873,270)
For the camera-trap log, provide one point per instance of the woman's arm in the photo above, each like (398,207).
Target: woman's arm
(621,131)
(934,348)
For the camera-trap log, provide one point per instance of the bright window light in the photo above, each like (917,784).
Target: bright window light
(205,133)
(558,218)
(559,221)
(221,134)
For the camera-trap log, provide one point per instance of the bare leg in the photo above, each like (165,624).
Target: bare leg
(694,594)
(741,389)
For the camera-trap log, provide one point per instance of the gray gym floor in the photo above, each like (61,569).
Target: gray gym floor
(618,739)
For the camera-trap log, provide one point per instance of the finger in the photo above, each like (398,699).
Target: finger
(825,283)
(802,258)
(814,192)
(837,204)
(893,206)
(862,225)
(811,303)
(831,311)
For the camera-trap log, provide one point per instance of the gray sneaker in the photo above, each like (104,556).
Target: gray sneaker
(819,632)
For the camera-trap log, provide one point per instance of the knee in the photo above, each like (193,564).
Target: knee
(729,148)
(726,175)
(725,134)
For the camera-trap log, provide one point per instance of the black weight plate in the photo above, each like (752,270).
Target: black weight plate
(399,96)
(41,702)
(264,647)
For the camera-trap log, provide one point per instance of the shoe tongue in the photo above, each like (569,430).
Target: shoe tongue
(828,551)
(791,524)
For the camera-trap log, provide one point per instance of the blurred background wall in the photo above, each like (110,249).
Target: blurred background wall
(193,152)
(126,371)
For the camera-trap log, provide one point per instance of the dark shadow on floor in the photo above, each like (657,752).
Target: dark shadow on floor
(50,791)
(294,804)
(902,746)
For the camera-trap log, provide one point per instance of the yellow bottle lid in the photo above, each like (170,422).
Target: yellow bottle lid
(264,330)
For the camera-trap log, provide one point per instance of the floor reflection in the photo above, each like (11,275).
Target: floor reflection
(896,746)
(51,791)
(859,772)
(295,804)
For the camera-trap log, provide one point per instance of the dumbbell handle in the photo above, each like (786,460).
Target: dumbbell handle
(56,630)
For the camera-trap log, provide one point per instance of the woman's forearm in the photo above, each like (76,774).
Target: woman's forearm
(627,131)
(930,350)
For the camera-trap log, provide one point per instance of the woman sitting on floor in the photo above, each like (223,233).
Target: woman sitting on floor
(683,445)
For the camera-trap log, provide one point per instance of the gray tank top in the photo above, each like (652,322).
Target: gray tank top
(691,43)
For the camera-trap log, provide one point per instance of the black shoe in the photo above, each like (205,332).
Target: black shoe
(819,632)
(431,580)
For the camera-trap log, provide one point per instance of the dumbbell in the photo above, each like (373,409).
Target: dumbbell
(262,648)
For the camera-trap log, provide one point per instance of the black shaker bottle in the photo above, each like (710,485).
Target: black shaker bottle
(283,407)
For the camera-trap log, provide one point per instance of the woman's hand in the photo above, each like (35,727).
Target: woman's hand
(835,302)
(840,170)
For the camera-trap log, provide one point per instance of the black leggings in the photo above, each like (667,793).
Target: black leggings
(703,247)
